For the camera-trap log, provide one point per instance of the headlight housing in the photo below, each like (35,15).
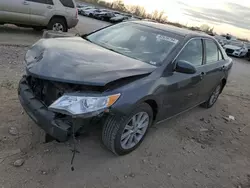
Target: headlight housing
(81,105)
(239,50)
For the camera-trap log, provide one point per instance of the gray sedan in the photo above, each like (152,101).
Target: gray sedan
(126,77)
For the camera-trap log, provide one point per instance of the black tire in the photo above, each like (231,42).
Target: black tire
(114,126)
(209,103)
(61,21)
(91,15)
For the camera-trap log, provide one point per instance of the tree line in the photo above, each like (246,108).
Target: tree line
(140,11)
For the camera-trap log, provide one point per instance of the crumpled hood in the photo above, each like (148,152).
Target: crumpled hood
(228,46)
(75,60)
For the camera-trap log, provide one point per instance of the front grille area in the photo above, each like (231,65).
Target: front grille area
(229,51)
(48,91)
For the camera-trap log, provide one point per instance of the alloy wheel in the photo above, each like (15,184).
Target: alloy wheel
(134,130)
(215,95)
(57,27)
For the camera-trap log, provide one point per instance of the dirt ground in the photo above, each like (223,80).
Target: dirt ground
(196,149)
(10,34)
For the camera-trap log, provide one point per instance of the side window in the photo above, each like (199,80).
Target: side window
(68,3)
(192,52)
(213,54)
(49,2)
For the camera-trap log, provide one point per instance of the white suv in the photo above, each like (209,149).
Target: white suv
(57,15)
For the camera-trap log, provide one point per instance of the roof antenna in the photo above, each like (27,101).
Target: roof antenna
(74,150)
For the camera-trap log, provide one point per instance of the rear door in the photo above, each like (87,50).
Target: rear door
(183,89)
(214,68)
(16,11)
(40,11)
(69,6)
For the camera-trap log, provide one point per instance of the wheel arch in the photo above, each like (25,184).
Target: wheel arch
(153,103)
(223,83)
(60,17)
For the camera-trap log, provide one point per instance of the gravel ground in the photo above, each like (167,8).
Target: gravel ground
(196,149)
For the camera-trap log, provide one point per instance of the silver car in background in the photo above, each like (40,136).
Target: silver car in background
(236,48)
(57,15)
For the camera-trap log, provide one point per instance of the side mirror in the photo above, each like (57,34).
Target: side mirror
(185,67)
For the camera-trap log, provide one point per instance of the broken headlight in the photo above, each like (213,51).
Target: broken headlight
(80,105)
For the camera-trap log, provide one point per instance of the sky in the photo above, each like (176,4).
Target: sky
(226,16)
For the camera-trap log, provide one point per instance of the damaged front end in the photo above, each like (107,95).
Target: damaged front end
(36,95)
(67,85)
(42,100)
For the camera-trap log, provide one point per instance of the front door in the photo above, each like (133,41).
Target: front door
(16,11)
(214,67)
(40,11)
(182,90)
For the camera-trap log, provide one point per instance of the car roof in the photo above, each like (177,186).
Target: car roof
(173,29)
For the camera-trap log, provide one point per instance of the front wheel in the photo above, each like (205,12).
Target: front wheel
(213,97)
(123,134)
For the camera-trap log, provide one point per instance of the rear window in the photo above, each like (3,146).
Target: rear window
(68,3)
(49,2)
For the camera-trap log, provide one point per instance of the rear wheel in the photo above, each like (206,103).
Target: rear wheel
(57,24)
(213,97)
(123,134)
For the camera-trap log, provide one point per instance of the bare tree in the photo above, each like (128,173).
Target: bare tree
(140,11)
(160,16)
(119,5)
(206,28)
(133,9)
(154,14)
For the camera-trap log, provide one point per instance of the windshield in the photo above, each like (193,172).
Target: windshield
(140,42)
(235,43)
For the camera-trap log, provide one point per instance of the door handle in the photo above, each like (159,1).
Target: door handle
(222,68)
(25,3)
(49,7)
(202,74)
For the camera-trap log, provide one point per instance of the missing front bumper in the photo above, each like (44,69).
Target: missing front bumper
(40,114)
(56,125)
